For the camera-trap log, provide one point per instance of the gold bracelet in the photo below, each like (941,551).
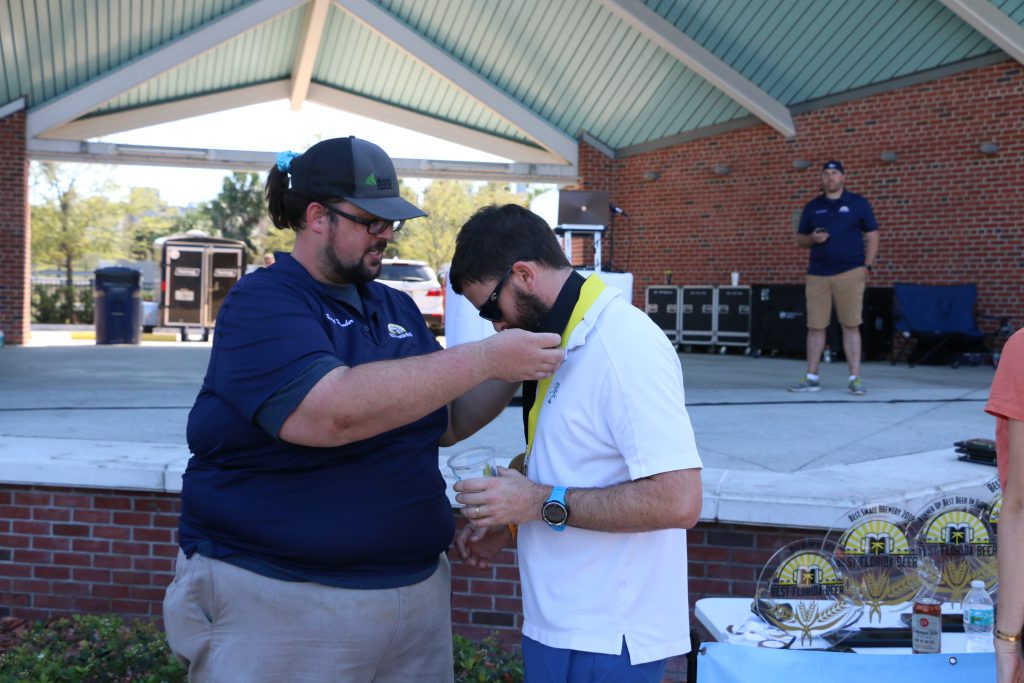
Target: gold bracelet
(1009,637)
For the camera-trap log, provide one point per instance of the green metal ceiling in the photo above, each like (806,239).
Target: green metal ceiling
(535,68)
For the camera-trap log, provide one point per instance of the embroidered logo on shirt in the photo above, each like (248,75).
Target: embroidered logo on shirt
(398,332)
(337,322)
(820,211)
(844,209)
(552,393)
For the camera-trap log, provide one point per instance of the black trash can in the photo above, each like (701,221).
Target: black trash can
(118,305)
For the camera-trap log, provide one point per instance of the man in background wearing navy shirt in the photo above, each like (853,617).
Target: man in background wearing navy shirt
(840,229)
(314,521)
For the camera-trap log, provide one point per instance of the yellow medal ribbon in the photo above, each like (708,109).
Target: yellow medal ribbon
(592,288)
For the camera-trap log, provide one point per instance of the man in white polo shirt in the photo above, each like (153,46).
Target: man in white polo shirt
(612,474)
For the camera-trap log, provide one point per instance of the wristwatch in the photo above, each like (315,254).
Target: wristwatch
(554,511)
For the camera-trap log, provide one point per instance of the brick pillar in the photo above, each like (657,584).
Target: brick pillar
(15,238)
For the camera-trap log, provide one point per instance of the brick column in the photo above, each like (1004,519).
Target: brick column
(15,238)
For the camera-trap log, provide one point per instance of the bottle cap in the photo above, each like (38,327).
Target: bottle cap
(977,583)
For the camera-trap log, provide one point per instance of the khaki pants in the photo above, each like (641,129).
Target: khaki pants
(846,289)
(228,624)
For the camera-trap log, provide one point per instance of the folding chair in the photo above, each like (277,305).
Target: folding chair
(933,318)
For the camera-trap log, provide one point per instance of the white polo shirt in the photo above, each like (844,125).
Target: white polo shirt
(614,412)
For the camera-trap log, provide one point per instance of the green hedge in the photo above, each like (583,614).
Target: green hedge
(91,649)
(106,649)
(61,304)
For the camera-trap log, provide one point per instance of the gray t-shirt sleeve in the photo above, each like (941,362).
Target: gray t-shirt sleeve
(276,409)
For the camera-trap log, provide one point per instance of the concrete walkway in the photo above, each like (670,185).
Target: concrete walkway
(76,413)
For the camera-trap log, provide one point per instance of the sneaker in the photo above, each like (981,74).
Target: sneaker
(856,387)
(806,385)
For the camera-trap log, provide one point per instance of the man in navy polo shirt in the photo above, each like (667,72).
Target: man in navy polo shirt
(314,520)
(840,229)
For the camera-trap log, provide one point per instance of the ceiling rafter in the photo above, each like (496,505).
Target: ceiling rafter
(665,35)
(141,117)
(437,60)
(307,50)
(429,125)
(108,124)
(991,22)
(102,89)
(257,162)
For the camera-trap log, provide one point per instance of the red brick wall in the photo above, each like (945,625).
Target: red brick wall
(948,213)
(91,550)
(84,550)
(14,230)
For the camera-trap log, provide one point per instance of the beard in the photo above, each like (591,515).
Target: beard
(355,273)
(530,311)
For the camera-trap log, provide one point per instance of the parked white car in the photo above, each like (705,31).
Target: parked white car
(419,281)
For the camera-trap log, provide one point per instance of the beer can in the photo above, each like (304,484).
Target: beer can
(926,626)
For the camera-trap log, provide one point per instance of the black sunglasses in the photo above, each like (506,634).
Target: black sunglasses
(374,226)
(490,309)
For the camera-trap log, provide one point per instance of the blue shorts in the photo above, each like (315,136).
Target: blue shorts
(554,665)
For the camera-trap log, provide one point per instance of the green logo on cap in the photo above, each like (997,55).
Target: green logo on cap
(371,180)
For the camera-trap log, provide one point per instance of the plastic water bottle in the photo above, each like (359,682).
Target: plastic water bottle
(979,618)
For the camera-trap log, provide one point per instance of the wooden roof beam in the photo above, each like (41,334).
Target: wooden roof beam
(306,52)
(437,60)
(665,35)
(991,22)
(104,88)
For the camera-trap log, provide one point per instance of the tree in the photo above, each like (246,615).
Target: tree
(432,239)
(279,240)
(146,217)
(239,211)
(449,204)
(67,226)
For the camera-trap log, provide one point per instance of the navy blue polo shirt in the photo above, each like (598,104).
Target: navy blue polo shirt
(846,219)
(370,514)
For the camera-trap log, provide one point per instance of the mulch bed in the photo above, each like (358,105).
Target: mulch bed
(11,631)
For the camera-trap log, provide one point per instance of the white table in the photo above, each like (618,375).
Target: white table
(717,614)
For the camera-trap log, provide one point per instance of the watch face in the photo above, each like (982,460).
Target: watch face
(555,513)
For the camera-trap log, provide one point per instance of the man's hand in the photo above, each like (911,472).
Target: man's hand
(478,547)
(819,236)
(509,498)
(517,355)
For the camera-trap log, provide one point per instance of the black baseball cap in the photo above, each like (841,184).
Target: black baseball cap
(832,163)
(355,170)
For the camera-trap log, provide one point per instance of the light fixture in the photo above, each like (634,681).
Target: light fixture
(801,164)
(887,157)
(652,175)
(722,169)
(989,148)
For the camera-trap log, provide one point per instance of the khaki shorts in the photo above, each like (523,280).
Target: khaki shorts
(229,625)
(846,289)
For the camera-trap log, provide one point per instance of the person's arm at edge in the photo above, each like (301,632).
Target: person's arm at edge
(353,403)
(804,235)
(1010,609)
(870,248)
(474,409)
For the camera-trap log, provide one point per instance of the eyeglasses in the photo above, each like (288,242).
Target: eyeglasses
(490,309)
(374,226)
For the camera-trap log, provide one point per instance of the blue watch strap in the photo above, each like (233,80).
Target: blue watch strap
(558,494)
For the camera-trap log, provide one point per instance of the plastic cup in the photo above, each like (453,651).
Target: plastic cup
(473,463)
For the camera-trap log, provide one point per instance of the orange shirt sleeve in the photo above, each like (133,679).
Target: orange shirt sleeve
(1006,398)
